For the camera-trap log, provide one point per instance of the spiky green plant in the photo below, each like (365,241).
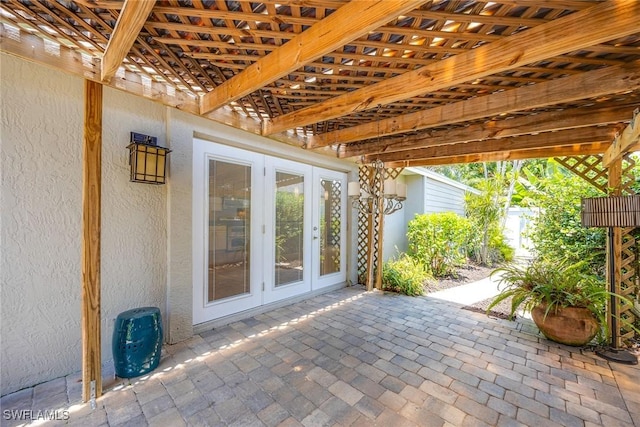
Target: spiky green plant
(556,284)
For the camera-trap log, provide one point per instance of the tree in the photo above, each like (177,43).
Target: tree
(485,211)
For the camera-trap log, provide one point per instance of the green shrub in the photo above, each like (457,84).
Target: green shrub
(404,275)
(557,231)
(438,241)
(499,249)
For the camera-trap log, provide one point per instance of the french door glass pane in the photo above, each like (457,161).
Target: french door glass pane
(229,220)
(330,218)
(289,218)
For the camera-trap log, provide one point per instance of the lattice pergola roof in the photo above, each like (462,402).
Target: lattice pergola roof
(410,82)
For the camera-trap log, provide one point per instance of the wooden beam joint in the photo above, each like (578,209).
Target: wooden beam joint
(133,16)
(627,141)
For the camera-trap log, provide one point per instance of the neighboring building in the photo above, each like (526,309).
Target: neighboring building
(427,192)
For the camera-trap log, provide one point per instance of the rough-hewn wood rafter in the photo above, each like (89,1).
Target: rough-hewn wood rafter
(582,86)
(533,123)
(627,141)
(542,140)
(536,153)
(130,22)
(607,21)
(323,37)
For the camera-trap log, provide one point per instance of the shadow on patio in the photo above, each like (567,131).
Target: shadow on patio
(358,359)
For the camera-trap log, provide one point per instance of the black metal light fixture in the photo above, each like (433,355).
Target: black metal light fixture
(618,211)
(386,198)
(147,160)
(379,195)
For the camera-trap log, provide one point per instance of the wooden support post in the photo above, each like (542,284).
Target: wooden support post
(371,243)
(91,182)
(615,245)
(380,232)
(371,253)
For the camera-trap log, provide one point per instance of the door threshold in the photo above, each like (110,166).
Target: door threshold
(236,317)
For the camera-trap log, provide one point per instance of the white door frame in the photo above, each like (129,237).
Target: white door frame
(202,309)
(262,209)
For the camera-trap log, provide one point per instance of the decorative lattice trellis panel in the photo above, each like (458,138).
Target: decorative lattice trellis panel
(590,169)
(628,261)
(369,225)
(335,207)
(363,234)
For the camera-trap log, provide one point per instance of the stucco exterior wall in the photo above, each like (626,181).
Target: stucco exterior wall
(146,253)
(40,222)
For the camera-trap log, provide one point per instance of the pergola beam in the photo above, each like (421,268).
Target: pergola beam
(628,141)
(347,23)
(536,153)
(606,21)
(494,129)
(132,18)
(605,81)
(542,140)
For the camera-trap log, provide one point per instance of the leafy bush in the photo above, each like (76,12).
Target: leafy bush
(499,250)
(557,231)
(438,241)
(404,275)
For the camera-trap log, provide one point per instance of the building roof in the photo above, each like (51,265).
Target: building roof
(441,178)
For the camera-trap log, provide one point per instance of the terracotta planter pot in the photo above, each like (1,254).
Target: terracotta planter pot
(571,325)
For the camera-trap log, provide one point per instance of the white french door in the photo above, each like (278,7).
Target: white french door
(265,229)
(329,227)
(288,264)
(227,233)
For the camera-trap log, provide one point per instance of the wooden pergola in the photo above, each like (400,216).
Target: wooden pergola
(408,82)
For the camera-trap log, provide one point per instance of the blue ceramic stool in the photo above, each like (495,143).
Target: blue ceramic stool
(137,341)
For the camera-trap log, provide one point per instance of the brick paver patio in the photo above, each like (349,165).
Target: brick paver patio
(353,358)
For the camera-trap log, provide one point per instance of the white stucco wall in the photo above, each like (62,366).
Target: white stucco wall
(146,230)
(40,228)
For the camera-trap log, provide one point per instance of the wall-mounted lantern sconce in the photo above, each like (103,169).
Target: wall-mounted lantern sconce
(148,161)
